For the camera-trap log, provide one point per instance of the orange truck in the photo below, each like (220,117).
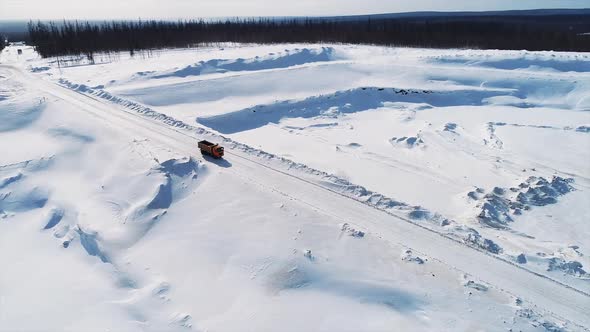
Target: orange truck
(211,149)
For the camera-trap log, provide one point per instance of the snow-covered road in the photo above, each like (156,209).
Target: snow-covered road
(546,294)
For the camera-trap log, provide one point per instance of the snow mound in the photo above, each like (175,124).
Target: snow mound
(290,276)
(493,140)
(541,192)
(467,281)
(90,242)
(18,109)
(163,197)
(451,127)
(498,208)
(408,256)
(346,228)
(23,200)
(573,268)
(185,167)
(271,61)
(539,321)
(17,198)
(520,91)
(54,217)
(475,285)
(40,69)
(175,172)
(177,175)
(473,238)
(408,142)
(502,124)
(5,182)
(313,126)
(183,320)
(62,132)
(32,165)
(309,277)
(519,61)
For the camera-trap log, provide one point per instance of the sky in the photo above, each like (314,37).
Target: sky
(170,9)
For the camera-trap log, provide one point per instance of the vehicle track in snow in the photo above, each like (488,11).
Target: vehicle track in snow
(541,291)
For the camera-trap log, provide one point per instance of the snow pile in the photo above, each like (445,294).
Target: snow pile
(469,282)
(538,321)
(521,259)
(408,256)
(569,267)
(54,216)
(473,238)
(11,179)
(40,69)
(451,127)
(499,207)
(408,142)
(347,229)
(541,192)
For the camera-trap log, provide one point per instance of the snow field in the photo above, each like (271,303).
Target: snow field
(168,241)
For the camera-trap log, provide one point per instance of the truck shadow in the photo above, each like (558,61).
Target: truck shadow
(219,162)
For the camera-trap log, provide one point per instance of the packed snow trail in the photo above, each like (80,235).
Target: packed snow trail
(553,297)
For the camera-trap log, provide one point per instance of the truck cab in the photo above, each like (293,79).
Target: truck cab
(218,151)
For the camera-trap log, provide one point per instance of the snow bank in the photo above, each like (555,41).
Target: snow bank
(288,58)
(341,102)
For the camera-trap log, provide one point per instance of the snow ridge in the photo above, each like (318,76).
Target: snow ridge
(272,61)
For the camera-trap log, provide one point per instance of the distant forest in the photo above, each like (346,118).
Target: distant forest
(551,32)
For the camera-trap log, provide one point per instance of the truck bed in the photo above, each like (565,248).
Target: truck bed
(206,143)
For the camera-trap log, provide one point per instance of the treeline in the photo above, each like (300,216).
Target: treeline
(2,42)
(555,32)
